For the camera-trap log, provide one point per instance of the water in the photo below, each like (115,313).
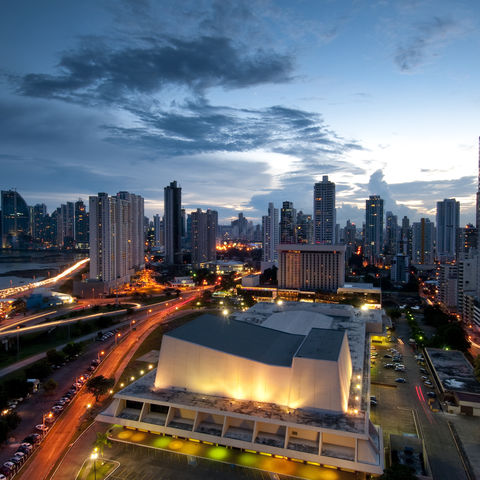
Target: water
(36,266)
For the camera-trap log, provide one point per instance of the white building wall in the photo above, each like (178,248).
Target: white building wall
(307,383)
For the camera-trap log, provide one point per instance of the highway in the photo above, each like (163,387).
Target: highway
(13,291)
(61,435)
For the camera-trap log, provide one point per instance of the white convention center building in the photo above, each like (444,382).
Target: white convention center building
(289,380)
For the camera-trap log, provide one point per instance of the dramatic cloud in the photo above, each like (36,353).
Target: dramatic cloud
(95,72)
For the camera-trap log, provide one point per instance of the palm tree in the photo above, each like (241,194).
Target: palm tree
(101,442)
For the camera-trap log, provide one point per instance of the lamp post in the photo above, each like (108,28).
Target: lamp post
(132,323)
(94,457)
(117,336)
(45,415)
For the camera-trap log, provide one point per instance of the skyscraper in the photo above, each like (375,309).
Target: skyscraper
(423,237)
(448,219)
(349,233)
(173,224)
(204,234)
(304,228)
(15,219)
(373,228)
(81,224)
(287,223)
(158,229)
(391,233)
(270,234)
(116,242)
(324,213)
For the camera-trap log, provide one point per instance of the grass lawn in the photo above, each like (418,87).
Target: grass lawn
(102,469)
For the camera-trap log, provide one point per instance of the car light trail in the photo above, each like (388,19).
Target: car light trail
(7,292)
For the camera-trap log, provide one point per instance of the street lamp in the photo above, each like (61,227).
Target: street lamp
(45,415)
(117,336)
(132,323)
(94,457)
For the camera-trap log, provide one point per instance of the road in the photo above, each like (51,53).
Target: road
(63,431)
(403,409)
(14,291)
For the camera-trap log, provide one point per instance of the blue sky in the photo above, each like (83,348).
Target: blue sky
(242,102)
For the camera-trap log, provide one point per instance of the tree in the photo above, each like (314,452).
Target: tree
(39,370)
(16,387)
(50,385)
(54,357)
(99,385)
(72,349)
(101,442)
(398,472)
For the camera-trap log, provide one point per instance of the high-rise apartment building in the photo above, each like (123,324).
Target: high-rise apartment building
(467,240)
(15,219)
(349,238)
(270,235)
(373,228)
(116,245)
(81,224)
(324,213)
(66,225)
(391,233)
(136,228)
(158,230)
(311,267)
(203,236)
(423,241)
(287,223)
(173,224)
(39,219)
(448,219)
(405,240)
(304,227)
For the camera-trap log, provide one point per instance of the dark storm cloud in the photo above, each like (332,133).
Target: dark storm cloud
(428,36)
(201,127)
(97,73)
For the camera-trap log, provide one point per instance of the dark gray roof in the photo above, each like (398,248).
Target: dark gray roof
(242,339)
(322,344)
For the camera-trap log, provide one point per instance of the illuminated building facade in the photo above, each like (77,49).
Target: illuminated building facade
(286,381)
(204,236)
(15,219)
(116,237)
(311,267)
(270,229)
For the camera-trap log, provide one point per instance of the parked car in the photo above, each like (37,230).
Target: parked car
(399,368)
(400,380)
(41,427)
(387,355)
(388,365)
(432,394)
(32,439)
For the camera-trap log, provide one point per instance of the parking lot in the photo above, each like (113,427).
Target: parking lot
(403,408)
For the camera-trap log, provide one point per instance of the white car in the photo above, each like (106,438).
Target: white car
(41,427)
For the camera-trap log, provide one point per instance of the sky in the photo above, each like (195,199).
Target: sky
(242,102)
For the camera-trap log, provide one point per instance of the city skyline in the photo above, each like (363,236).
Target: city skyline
(134,95)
